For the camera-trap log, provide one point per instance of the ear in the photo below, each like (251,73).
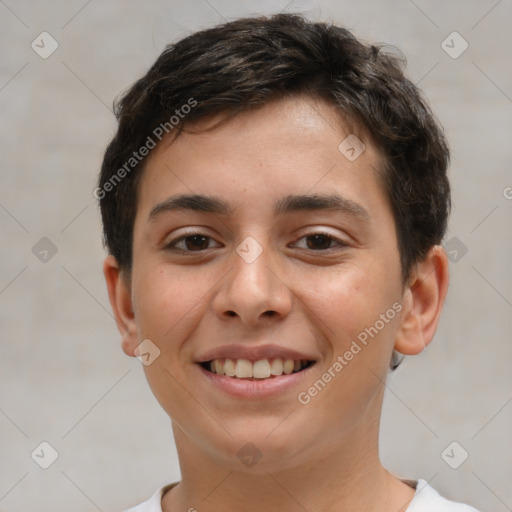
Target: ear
(423,301)
(120,299)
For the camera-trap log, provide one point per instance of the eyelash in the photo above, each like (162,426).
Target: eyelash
(172,245)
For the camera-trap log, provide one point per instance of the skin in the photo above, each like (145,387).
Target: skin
(322,456)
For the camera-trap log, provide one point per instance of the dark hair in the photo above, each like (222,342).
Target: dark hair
(249,62)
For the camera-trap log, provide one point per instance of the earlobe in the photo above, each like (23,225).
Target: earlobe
(423,302)
(120,299)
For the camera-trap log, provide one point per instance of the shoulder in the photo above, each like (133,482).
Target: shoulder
(427,499)
(154,504)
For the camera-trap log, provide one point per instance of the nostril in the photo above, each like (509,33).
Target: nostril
(230,313)
(270,313)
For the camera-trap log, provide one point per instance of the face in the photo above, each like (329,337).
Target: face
(260,242)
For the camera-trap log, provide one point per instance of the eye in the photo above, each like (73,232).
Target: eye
(319,242)
(192,243)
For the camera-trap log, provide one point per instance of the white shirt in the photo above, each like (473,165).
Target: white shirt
(426,499)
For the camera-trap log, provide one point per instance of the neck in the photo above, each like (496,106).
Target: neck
(336,476)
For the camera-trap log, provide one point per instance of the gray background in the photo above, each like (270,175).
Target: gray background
(64,379)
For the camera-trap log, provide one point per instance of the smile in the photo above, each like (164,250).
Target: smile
(257,370)
(267,386)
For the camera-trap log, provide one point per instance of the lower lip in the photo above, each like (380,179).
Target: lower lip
(264,388)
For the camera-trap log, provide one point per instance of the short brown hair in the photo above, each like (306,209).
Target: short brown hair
(249,62)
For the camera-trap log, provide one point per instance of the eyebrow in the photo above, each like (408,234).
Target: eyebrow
(288,204)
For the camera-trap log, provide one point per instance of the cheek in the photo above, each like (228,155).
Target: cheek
(357,306)
(165,301)
(167,309)
(357,342)
(346,301)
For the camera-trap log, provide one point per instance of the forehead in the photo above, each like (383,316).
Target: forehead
(296,145)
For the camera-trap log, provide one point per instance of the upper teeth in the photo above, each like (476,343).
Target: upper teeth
(261,369)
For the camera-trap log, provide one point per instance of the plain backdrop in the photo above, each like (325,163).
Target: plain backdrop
(64,379)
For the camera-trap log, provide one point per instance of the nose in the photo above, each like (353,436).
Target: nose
(252,292)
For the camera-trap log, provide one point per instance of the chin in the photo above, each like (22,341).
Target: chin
(263,448)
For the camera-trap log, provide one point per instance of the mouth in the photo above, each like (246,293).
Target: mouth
(261,369)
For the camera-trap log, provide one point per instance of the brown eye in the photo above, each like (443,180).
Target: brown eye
(319,242)
(196,242)
(192,243)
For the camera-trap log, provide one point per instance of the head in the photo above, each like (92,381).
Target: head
(241,131)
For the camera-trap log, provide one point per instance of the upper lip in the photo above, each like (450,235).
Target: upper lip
(253,353)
